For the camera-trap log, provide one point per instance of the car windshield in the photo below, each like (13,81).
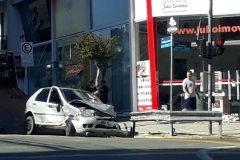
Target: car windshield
(71,95)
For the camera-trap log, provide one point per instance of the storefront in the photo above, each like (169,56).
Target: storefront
(52,26)
(191,17)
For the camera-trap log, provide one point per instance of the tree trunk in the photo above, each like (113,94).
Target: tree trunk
(96,81)
(97,76)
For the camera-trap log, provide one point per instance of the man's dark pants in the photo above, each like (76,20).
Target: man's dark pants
(190,103)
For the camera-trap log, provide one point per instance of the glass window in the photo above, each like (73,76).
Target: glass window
(71,95)
(121,71)
(142,41)
(40,75)
(70,68)
(43,95)
(107,12)
(35,16)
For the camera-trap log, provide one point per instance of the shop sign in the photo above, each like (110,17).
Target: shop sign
(179,7)
(182,46)
(215,29)
(172,25)
(165,8)
(144,95)
(166,42)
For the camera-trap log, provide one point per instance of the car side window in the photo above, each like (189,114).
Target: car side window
(43,95)
(54,97)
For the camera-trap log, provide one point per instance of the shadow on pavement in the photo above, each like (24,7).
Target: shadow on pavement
(104,155)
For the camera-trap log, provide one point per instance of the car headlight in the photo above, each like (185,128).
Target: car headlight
(88,113)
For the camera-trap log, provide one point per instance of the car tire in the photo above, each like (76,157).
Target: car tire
(70,130)
(30,125)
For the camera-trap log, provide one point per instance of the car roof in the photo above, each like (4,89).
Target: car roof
(63,88)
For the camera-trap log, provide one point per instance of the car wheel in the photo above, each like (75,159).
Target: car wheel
(30,126)
(70,130)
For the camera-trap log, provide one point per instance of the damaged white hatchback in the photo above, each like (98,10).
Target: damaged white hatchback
(72,110)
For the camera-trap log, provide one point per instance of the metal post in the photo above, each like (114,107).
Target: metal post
(171,70)
(210,62)
(220,128)
(229,86)
(171,129)
(237,84)
(171,79)
(54,48)
(132,43)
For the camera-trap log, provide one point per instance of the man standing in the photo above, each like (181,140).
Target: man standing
(190,91)
(104,92)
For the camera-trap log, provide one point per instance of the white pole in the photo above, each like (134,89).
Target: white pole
(171,72)
(133,63)
(237,82)
(210,62)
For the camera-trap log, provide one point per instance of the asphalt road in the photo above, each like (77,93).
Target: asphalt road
(15,147)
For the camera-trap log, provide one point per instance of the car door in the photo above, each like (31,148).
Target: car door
(39,105)
(53,108)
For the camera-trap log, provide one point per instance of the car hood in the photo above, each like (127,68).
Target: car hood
(107,109)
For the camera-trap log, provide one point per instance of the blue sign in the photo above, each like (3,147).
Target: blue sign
(182,46)
(166,42)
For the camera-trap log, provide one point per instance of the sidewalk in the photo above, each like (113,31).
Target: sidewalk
(183,130)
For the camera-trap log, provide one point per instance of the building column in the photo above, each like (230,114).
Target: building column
(133,72)
(152,54)
(87,63)
(55,63)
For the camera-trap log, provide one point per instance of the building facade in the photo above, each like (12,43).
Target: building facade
(52,26)
(191,16)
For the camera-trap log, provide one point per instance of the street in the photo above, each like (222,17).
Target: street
(46,147)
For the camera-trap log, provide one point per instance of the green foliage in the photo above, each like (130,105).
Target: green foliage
(101,51)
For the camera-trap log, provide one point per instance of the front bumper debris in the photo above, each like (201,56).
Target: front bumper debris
(99,126)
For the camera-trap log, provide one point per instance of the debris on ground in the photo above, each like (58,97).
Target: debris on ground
(231,117)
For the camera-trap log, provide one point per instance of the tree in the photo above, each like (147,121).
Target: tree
(101,51)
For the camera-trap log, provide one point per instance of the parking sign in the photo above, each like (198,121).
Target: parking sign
(27,54)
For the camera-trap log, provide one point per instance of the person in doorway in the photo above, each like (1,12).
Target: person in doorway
(190,91)
(104,92)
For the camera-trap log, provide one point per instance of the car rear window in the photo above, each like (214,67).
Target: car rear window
(43,95)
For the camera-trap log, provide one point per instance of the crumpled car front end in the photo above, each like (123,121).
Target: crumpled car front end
(100,122)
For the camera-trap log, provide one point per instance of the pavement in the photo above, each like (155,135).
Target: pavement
(45,147)
(12,118)
(187,130)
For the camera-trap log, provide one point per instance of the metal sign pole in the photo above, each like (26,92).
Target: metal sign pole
(172,29)
(210,63)
(171,72)
(171,79)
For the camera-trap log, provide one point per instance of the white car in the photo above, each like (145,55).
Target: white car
(72,110)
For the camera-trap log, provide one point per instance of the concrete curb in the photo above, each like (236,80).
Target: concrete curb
(191,137)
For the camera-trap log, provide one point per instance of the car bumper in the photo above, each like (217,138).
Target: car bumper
(104,132)
(98,126)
